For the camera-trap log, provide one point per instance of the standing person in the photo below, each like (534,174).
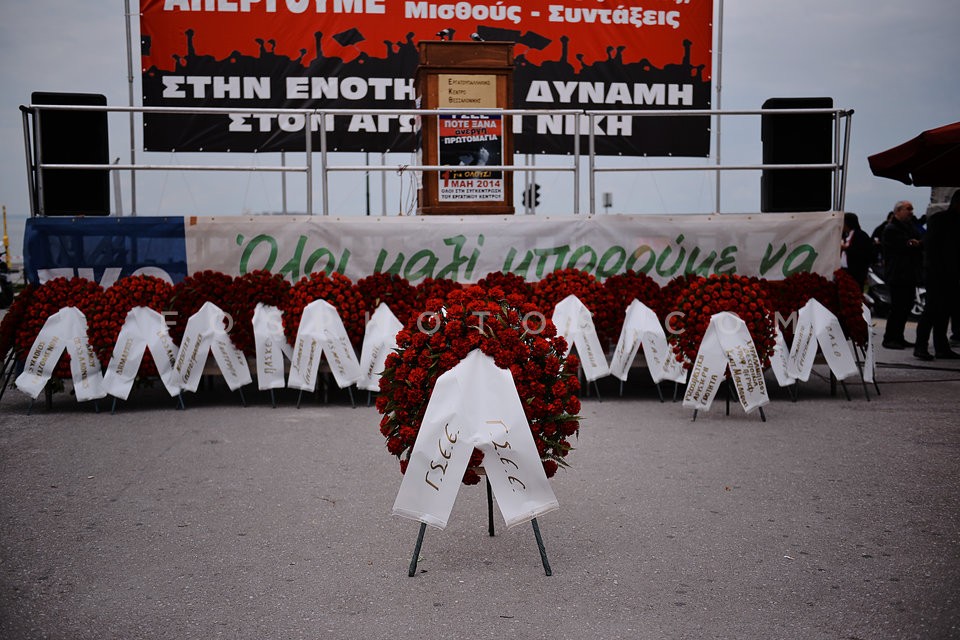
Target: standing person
(902,256)
(857,249)
(941,262)
(877,237)
(877,234)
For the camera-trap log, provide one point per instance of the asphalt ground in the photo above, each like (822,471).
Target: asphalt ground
(834,518)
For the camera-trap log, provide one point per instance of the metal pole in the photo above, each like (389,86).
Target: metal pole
(846,159)
(526,185)
(835,157)
(31,172)
(323,166)
(576,168)
(717,77)
(592,150)
(117,192)
(133,146)
(308,148)
(383,185)
(366,177)
(37,143)
(283,182)
(543,550)
(412,571)
(490,527)
(533,184)
(6,240)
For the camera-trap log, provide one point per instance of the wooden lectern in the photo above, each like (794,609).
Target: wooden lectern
(473,79)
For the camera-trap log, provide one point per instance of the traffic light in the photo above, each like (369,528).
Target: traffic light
(531,196)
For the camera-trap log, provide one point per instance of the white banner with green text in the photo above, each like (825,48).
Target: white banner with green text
(466,248)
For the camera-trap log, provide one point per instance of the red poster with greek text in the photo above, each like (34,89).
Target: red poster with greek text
(470,142)
(362,54)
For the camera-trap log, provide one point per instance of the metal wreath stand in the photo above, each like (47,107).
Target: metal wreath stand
(491,530)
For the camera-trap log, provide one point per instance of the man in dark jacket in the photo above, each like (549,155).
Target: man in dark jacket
(941,263)
(902,257)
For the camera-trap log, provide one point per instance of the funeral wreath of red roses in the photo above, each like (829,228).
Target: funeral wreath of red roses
(336,289)
(557,285)
(192,292)
(47,300)
(841,296)
(392,290)
(110,311)
(518,338)
(241,301)
(624,288)
(705,297)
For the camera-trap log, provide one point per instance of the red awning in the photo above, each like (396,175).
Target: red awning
(932,159)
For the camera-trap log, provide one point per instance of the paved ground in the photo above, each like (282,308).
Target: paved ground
(832,519)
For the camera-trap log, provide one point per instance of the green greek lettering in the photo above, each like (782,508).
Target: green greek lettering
(393,269)
(452,270)
(316,256)
(545,254)
(271,243)
(291,270)
(344,258)
(803,257)
(635,256)
(768,260)
(521,269)
(665,255)
(413,272)
(585,250)
(473,258)
(703,268)
(615,252)
(728,261)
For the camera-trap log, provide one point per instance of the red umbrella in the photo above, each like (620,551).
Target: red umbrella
(932,159)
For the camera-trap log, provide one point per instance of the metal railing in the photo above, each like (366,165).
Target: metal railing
(36,165)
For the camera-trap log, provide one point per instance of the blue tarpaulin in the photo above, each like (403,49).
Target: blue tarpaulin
(116,247)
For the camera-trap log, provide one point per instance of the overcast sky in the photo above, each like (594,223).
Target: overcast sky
(894,63)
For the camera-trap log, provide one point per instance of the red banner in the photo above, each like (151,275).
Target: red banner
(343,54)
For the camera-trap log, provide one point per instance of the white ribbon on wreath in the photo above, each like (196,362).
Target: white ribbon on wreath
(870,358)
(817,326)
(726,343)
(779,358)
(575,323)
(206,332)
(322,332)
(271,346)
(66,330)
(474,404)
(642,327)
(142,329)
(379,339)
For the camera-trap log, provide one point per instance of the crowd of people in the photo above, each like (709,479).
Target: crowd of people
(913,252)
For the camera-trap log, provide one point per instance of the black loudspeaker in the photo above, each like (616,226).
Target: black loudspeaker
(797,139)
(72,137)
